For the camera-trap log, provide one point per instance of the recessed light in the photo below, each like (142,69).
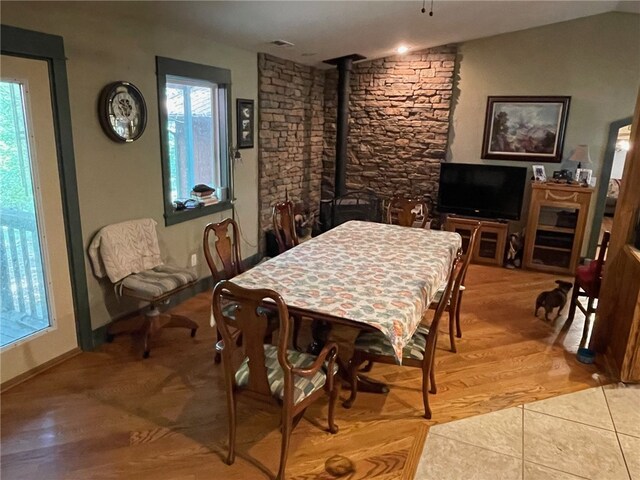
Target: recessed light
(402,49)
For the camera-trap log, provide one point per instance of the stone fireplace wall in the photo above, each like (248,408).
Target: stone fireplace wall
(398,123)
(398,127)
(291,124)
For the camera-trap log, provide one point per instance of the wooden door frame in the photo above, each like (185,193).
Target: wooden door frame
(605,174)
(50,48)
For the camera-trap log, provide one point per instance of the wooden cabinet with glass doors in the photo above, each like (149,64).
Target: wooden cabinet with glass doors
(555,227)
(491,242)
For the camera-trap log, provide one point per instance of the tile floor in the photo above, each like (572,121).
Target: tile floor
(592,434)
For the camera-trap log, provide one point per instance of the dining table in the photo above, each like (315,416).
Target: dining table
(365,275)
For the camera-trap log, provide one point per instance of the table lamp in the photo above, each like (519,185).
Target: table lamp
(581,155)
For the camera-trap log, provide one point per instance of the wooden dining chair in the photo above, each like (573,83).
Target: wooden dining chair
(402,211)
(454,305)
(418,353)
(273,374)
(284,226)
(587,282)
(227,248)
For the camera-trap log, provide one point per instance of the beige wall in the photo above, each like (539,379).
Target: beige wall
(117,182)
(595,60)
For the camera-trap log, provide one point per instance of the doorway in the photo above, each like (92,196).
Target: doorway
(43,299)
(610,180)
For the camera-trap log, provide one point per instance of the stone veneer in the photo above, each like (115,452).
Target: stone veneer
(398,123)
(398,127)
(291,123)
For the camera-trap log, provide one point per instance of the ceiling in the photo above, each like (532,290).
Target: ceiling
(321,30)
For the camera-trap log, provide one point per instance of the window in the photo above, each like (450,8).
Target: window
(194,120)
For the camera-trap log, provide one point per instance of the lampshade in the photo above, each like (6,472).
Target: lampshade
(581,154)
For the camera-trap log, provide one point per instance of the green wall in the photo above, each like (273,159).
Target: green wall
(118,182)
(595,60)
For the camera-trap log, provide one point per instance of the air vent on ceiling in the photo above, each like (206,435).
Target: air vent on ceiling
(282,43)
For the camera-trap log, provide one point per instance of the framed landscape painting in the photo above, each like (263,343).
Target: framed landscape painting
(525,128)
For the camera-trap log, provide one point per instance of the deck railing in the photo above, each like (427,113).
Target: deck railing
(22,285)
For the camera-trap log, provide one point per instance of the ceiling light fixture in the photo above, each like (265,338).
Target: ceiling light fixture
(402,49)
(423,9)
(281,43)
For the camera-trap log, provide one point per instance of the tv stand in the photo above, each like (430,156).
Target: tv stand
(492,237)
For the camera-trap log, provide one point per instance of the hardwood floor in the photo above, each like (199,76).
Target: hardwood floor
(108,414)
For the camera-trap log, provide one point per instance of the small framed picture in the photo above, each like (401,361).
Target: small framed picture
(244,124)
(539,175)
(583,176)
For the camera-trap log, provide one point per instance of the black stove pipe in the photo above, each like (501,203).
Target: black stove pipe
(344,65)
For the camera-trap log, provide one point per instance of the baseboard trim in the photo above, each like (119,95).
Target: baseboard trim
(39,369)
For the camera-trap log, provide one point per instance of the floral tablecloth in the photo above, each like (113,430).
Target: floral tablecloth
(381,275)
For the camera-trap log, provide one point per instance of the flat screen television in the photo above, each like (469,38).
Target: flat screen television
(486,191)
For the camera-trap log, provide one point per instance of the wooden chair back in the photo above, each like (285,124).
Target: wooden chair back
(226,246)
(602,254)
(401,212)
(454,274)
(284,226)
(466,259)
(250,318)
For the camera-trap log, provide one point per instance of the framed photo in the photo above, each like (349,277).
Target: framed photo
(244,127)
(583,176)
(539,174)
(525,128)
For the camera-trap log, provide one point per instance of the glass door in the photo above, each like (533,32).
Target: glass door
(23,290)
(555,235)
(37,318)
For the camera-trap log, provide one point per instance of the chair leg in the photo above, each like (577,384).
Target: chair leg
(432,374)
(287,426)
(425,392)
(368,367)
(452,337)
(432,381)
(333,398)
(180,321)
(296,331)
(458,327)
(231,404)
(574,299)
(218,356)
(353,376)
(146,338)
(590,308)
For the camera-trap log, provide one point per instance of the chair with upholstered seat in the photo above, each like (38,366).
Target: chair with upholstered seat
(408,212)
(284,226)
(454,305)
(587,282)
(227,248)
(129,254)
(418,353)
(274,374)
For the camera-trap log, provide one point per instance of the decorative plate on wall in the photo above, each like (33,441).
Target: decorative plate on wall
(122,111)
